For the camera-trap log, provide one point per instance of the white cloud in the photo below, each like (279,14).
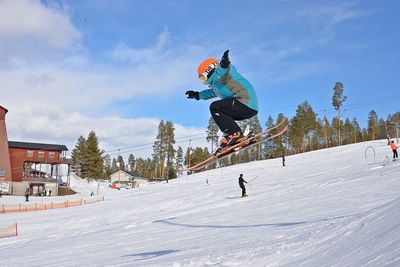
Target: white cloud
(50,88)
(125,53)
(49,124)
(31,31)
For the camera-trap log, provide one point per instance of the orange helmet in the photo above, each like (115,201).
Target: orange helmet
(206,67)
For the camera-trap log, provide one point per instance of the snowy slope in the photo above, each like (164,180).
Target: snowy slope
(332,207)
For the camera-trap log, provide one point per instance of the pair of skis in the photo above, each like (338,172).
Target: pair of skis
(245,144)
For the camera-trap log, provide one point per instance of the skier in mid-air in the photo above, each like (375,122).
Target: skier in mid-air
(238,97)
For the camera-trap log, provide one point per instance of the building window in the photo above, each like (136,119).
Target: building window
(41,154)
(2,173)
(29,153)
(52,155)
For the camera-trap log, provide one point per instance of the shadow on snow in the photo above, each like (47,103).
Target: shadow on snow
(170,222)
(151,254)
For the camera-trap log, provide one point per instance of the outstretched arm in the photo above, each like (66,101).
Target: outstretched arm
(204,95)
(225,62)
(192,94)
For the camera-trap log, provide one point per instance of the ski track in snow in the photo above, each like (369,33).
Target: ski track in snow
(331,207)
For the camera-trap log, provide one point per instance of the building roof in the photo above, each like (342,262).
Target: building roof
(131,174)
(6,110)
(14,144)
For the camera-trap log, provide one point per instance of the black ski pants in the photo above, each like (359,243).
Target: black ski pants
(395,155)
(243,191)
(226,111)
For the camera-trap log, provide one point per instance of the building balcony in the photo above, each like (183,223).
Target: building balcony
(40,179)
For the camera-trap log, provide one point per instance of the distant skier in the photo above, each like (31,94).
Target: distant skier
(27,195)
(394,148)
(238,97)
(241,184)
(283,160)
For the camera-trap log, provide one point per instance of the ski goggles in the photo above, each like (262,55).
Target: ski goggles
(207,74)
(203,78)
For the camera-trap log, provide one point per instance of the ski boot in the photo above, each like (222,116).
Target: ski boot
(229,140)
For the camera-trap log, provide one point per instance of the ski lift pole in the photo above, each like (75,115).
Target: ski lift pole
(190,148)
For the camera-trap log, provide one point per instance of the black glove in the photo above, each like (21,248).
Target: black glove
(225,60)
(192,94)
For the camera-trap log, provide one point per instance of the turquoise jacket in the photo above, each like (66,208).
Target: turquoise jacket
(228,83)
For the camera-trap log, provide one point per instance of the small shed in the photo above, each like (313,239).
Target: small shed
(123,178)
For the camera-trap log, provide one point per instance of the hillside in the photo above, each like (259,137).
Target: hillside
(332,207)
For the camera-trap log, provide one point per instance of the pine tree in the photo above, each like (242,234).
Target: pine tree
(356,130)
(393,125)
(327,131)
(281,141)
(94,157)
(163,150)
(255,151)
(188,159)
(179,158)
(169,150)
(268,149)
(372,124)
(336,125)
(159,148)
(382,129)
(347,132)
(131,163)
(337,101)
(198,155)
(302,127)
(120,163)
(212,133)
(79,158)
(107,166)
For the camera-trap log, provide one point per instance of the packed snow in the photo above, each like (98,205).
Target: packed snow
(332,207)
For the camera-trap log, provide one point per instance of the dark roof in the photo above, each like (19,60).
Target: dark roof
(133,174)
(6,110)
(27,145)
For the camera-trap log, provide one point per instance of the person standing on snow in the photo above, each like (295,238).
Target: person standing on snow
(394,148)
(238,99)
(241,184)
(27,195)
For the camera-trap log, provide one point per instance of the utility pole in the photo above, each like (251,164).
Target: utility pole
(326,137)
(355,136)
(190,148)
(119,168)
(340,124)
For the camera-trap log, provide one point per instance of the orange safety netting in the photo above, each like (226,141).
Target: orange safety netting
(47,206)
(8,231)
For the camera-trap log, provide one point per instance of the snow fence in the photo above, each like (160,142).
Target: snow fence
(9,231)
(47,206)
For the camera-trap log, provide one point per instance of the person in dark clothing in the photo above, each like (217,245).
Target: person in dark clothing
(241,184)
(27,195)
(283,161)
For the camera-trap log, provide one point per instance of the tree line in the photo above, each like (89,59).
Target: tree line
(306,132)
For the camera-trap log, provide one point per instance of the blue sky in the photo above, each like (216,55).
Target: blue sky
(118,67)
(290,50)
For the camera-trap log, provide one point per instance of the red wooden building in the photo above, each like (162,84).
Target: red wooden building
(29,166)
